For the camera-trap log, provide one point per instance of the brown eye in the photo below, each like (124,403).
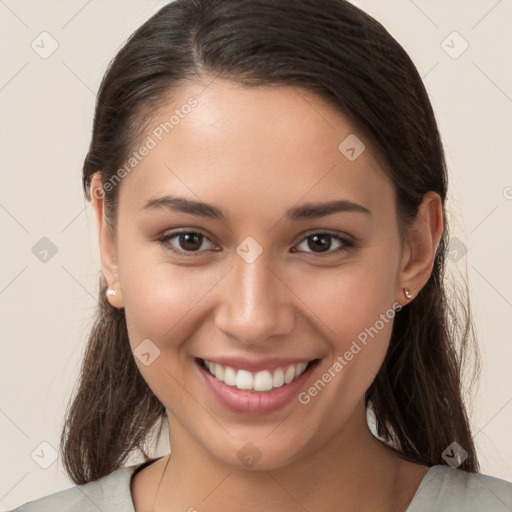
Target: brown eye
(184,242)
(320,243)
(190,241)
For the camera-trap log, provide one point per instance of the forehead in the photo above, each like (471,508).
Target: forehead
(268,144)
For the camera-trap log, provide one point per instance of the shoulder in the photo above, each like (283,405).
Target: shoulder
(451,490)
(108,494)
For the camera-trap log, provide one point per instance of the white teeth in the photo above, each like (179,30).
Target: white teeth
(302,368)
(289,375)
(244,380)
(219,372)
(263,381)
(278,379)
(229,376)
(260,381)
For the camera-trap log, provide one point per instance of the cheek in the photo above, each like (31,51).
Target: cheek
(354,314)
(164,303)
(349,300)
(161,302)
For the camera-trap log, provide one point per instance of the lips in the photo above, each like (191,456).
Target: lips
(252,401)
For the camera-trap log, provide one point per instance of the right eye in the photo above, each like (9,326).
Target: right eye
(188,242)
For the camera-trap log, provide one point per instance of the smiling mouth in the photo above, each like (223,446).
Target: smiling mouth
(261,381)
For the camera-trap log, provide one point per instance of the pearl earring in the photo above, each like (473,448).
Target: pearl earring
(109,292)
(407,293)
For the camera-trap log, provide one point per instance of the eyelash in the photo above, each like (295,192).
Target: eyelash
(347,244)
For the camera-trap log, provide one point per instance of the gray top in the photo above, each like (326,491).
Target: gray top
(443,489)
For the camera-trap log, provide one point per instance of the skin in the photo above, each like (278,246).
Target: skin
(255,153)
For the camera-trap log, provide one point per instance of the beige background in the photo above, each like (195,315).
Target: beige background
(46,108)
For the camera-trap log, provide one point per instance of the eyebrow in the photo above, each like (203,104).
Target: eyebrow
(302,212)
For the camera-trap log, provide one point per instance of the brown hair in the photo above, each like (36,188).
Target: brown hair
(336,50)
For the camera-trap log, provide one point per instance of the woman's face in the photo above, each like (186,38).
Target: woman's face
(263,287)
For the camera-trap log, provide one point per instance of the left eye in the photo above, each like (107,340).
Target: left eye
(190,242)
(324,241)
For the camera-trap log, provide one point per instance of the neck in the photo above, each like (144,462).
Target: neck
(353,470)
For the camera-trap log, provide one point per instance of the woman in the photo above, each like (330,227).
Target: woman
(269,187)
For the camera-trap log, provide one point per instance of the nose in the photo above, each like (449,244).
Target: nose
(256,305)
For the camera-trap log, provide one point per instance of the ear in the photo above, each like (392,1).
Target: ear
(107,243)
(420,248)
